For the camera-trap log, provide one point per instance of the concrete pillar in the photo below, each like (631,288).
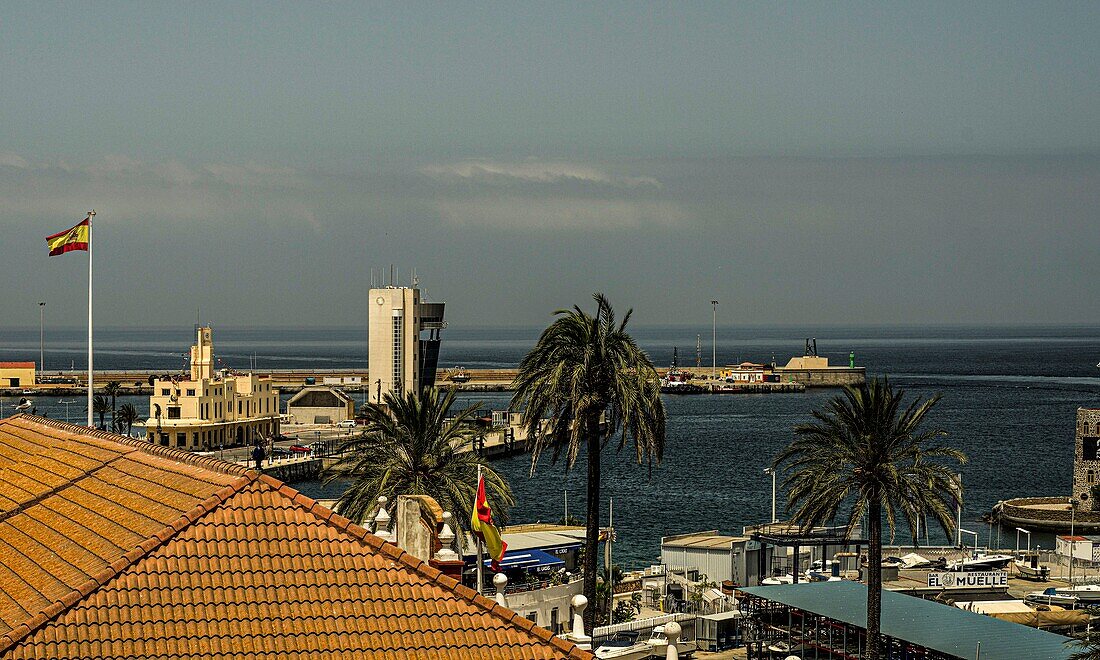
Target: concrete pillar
(576,635)
(672,634)
(500,581)
(382,521)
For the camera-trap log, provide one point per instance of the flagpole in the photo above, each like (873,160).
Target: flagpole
(480,564)
(91,214)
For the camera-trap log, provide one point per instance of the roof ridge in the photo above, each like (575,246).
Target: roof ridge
(420,567)
(209,462)
(135,554)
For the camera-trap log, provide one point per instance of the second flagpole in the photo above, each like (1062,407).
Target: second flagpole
(480,563)
(91,214)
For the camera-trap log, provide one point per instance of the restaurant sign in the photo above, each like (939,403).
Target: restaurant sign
(968,580)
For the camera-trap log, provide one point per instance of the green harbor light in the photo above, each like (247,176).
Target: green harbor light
(852,360)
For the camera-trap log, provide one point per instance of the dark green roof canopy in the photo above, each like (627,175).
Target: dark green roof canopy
(925,623)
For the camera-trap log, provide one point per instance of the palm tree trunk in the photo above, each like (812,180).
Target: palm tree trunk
(592,529)
(874,580)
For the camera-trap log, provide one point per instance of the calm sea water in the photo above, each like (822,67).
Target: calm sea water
(1010,398)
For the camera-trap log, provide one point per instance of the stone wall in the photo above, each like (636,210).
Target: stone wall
(1086,457)
(829,377)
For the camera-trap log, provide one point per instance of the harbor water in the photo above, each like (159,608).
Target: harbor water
(1009,401)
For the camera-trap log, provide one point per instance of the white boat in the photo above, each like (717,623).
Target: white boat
(1085,594)
(981,562)
(655,646)
(624,646)
(778,579)
(24,405)
(658,644)
(1028,566)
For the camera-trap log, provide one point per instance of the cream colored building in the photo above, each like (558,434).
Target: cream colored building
(403,341)
(16,374)
(320,405)
(207,410)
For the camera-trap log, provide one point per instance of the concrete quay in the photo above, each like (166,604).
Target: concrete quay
(136,382)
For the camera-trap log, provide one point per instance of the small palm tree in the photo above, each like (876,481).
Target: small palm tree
(112,389)
(866,450)
(409,446)
(126,416)
(583,369)
(1086,650)
(101,405)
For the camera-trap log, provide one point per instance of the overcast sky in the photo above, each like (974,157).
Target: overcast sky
(802,163)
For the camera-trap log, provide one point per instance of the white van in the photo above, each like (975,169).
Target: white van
(346,424)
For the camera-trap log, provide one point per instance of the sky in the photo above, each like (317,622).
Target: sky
(808,163)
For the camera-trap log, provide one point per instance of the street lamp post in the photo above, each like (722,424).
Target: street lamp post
(41,337)
(771,471)
(713,337)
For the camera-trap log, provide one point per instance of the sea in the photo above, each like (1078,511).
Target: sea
(1010,395)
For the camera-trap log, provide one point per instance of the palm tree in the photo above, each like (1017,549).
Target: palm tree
(409,446)
(866,448)
(112,389)
(101,406)
(582,369)
(127,415)
(1086,650)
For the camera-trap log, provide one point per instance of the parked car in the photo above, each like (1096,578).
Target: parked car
(300,449)
(346,424)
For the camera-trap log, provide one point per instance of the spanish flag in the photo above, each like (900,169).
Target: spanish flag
(70,239)
(481,525)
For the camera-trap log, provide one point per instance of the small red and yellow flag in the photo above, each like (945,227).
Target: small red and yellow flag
(70,239)
(481,524)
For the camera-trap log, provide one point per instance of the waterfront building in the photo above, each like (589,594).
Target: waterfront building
(207,409)
(749,372)
(117,548)
(320,405)
(723,559)
(543,568)
(17,374)
(1086,459)
(403,340)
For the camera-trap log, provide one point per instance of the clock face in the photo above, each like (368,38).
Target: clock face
(381,300)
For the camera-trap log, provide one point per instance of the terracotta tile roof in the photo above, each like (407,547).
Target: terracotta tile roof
(114,548)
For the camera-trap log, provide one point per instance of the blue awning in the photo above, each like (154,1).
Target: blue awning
(528,559)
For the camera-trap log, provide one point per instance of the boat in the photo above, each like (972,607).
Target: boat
(459,375)
(981,562)
(24,405)
(778,579)
(658,644)
(1028,566)
(675,380)
(625,646)
(1080,595)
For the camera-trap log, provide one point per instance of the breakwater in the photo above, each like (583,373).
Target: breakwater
(136,381)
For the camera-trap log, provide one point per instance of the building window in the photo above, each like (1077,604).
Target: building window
(190,392)
(173,412)
(181,440)
(398,353)
(1089,447)
(1091,476)
(555,626)
(165,391)
(238,407)
(533,617)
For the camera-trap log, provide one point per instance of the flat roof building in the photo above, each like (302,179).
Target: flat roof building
(205,410)
(17,374)
(403,341)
